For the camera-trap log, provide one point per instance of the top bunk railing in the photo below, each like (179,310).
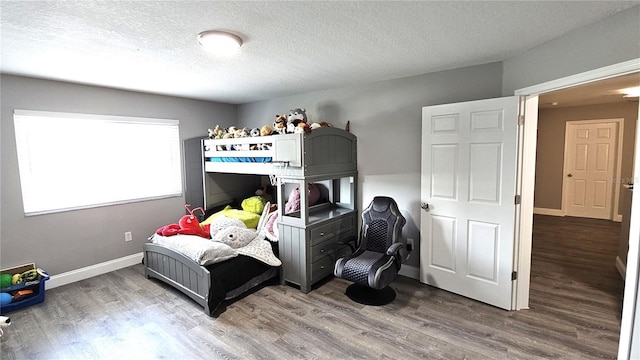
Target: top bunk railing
(320,149)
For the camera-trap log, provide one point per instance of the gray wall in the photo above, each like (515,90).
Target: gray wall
(385,116)
(613,40)
(71,240)
(387,119)
(550,150)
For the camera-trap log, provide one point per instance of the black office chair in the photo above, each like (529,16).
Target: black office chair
(377,260)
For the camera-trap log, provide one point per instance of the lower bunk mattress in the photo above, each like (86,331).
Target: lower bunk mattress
(208,285)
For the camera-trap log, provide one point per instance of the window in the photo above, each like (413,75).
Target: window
(74,161)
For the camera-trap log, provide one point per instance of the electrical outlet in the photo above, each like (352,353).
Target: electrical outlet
(410,244)
(128,236)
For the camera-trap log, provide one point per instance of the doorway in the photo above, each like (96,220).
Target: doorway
(533,94)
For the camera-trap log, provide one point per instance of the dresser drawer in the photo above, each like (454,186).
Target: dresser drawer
(323,249)
(345,224)
(322,268)
(322,233)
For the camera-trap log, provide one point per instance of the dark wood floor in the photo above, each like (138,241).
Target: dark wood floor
(576,297)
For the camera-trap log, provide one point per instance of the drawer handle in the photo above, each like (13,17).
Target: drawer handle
(322,267)
(321,250)
(321,233)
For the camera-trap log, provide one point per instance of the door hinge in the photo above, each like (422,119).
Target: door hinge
(520,119)
(517,200)
(514,275)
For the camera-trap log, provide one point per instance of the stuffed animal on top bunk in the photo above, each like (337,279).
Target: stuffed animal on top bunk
(297,121)
(280,124)
(316,125)
(188,225)
(216,133)
(266,130)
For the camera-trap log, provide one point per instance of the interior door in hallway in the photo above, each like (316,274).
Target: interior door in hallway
(469,153)
(590,157)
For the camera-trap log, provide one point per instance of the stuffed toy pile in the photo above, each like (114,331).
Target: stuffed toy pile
(293,122)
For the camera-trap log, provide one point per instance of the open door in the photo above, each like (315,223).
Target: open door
(469,168)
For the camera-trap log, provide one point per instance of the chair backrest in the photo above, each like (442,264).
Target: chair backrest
(382,224)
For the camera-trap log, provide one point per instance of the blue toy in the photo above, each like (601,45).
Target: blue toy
(5,299)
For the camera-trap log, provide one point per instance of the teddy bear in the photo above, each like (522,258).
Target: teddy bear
(266,130)
(280,124)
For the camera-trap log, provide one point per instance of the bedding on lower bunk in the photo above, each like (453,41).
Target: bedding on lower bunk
(237,257)
(235,276)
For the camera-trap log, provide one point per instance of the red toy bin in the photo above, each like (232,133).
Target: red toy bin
(36,285)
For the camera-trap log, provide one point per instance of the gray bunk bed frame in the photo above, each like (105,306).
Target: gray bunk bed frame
(324,150)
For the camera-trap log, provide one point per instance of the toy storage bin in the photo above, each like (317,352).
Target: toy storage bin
(37,286)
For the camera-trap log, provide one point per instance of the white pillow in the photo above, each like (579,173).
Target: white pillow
(202,251)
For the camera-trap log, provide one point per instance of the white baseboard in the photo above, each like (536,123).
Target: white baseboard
(622,268)
(93,270)
(551,212)
(410,271)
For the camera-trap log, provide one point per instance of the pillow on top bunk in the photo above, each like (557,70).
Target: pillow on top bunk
(248,218)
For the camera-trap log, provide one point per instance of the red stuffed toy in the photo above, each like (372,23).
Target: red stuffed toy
(188,225)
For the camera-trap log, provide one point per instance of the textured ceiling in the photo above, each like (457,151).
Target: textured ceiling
(598,92)
(289,47)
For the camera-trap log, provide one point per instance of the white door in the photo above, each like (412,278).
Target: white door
(469,183)
(590,154)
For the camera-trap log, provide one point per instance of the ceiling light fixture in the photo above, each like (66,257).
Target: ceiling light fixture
(631,92)
(219,41)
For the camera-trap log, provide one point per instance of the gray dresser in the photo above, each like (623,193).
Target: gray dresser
(309,238)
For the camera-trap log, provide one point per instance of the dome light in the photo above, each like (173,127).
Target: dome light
(219,41)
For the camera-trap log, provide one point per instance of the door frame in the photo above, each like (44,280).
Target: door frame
(617,172)
(630,309)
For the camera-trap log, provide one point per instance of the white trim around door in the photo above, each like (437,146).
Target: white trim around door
(631,309)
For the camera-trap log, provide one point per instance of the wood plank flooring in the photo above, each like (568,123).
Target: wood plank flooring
(576,296)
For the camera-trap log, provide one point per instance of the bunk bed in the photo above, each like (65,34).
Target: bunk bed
(325,154)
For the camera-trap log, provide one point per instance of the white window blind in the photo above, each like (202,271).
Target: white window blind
(73,161)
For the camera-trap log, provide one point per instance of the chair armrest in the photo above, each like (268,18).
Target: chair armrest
(347,240)
(399,251)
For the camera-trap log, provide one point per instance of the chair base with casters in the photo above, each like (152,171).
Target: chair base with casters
(377,260)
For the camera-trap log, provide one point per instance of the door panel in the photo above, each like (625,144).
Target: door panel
(589,169)
(468,180)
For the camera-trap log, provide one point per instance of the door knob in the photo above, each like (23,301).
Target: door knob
(424,206)
(570,175)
